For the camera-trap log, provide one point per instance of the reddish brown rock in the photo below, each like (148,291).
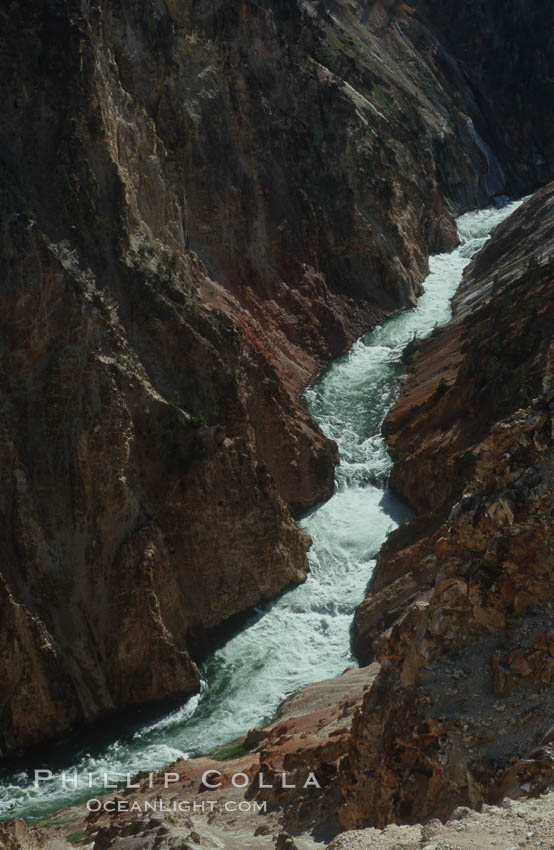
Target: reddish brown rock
(272,781)
(467,608)
(16,835)
(201,203)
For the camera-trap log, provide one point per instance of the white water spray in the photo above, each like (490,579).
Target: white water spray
(302,637)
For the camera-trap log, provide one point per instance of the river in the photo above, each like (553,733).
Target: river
(304,636)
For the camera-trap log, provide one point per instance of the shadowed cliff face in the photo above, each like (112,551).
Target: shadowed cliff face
(503,51)
(130,527)
(200,204)
(460,609)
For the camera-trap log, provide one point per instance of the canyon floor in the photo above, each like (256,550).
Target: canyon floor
(524,823)
(445,740)
(201,204)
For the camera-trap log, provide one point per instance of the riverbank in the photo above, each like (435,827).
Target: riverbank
(203,800)
(202,204)
(460,607)
(314,735)
(303,636)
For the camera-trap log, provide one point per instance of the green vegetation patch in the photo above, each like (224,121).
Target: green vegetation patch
(75,837)
(233,751)
(379,95)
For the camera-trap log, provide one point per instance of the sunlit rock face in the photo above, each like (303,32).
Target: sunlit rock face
(201,203)
(460,609)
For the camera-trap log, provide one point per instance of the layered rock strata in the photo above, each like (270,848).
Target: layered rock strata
(309,737)
(461,615)
(202,202)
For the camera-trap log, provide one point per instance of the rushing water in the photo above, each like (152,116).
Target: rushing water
(302,637)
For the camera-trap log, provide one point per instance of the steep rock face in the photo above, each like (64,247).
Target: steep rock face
(486,361)
(461,616)
(503,50)
(201,202)
(130,527)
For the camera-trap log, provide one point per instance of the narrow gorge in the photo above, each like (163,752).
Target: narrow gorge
(202,205)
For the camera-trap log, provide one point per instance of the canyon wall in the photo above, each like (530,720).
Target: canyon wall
(460,609)
(200,204)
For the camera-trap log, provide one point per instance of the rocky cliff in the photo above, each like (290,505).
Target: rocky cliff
(460,711)
(201,202)
(460,610)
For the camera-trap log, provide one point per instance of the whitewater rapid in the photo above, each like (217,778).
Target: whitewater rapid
(304,636)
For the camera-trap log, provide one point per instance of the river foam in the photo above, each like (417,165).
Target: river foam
(304,636)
